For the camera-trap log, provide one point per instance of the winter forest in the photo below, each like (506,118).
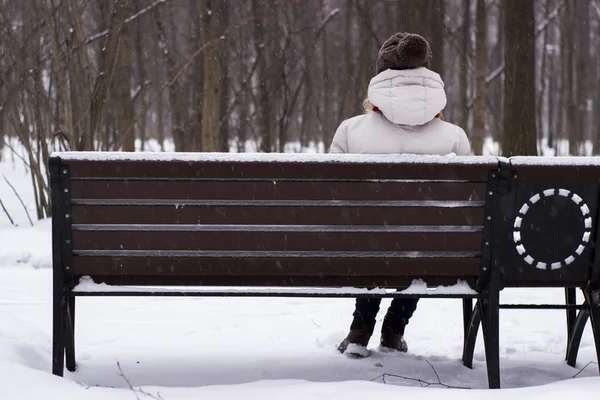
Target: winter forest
(201,275)
(280,75)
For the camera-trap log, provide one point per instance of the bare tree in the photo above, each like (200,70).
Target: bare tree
(481,67)
(212,15)
(519,87)
(122,82)
(465,50)
(437,18)
(582,98)
(260,13)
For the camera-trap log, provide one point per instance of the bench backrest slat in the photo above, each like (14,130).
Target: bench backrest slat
(336,171)
(277,190)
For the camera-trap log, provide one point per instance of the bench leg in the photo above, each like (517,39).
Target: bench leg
(467,315)
(70,334)
(592,298)
(570,299)
(489,304)
(471,336)
(575,336)
(58,331)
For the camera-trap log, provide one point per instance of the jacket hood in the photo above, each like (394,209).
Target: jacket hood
(409,96)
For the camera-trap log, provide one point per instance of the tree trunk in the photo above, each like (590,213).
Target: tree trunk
(328,125)
(122,83)
(265,116)
(519,79)
(176,117)
(569,82)
(494,89)
(159,108)
(141,79)
(542,84)
(211,106)
(345,91)
(438,14)
(480,64)
(225,47)
(413,16)
(596,115)
(105,74)
(60,71)
(464,65)
(582,86)
(367,52)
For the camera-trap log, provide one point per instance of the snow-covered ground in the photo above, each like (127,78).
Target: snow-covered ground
(191,348)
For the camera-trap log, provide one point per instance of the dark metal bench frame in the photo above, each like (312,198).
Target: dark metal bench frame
(494,272)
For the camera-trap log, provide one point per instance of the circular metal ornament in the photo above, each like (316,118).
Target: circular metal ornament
(557,264)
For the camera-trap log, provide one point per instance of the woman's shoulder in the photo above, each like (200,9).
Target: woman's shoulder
(447,127)
(454,133)
(364,119)
(357,119)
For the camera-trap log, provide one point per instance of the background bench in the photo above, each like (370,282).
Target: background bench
(317,225)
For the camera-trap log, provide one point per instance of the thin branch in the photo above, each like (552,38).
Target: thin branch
(185,67)
(549,18)
(137,390)
(122,375)
(495,74)
(538,30)
(243,85)
(581,370)
(489,79)
(6,212)
(15,153)
(419,381)
(84,385)
(368,25)
(292,104)
(127,20)
(19,197)
(434,371)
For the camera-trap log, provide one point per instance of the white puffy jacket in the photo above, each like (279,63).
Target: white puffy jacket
(408,101)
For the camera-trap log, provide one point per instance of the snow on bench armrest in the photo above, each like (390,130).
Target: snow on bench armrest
(562,161)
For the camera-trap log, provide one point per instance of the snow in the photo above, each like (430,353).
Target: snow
(357,350)
(563,161)
(326,158)
(49,387)
(234,348)
(87,284)
(273,157)
(27,246)
(420,287)
(13,170)
(179,348)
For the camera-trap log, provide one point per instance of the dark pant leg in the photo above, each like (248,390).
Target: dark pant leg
(367,308)
(400,312)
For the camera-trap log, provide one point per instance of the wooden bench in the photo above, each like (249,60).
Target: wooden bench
(325,225)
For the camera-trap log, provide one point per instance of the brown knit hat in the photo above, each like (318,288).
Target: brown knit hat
(403,51)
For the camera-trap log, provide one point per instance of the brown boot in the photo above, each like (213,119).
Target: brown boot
(357,340)
(392,339)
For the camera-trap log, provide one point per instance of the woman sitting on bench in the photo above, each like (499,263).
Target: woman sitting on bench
(404,103)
